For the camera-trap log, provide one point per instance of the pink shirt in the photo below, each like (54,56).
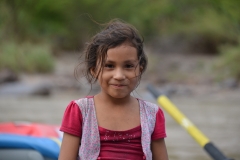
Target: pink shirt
(124,144)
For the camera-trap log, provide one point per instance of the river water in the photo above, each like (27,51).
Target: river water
(216,115)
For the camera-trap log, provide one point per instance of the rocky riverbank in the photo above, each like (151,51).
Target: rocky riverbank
(173,74)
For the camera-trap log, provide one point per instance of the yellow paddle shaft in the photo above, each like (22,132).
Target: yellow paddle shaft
(183,120)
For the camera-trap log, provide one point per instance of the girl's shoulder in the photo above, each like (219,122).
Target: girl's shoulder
(84,101)
(85,104)
(148,104)
(149,107)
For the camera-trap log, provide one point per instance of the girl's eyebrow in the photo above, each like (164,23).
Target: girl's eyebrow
(130,61)
(109,61)
(127,61)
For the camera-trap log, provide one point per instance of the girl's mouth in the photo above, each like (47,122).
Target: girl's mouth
(118,85)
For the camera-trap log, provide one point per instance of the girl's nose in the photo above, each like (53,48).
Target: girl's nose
(119,74)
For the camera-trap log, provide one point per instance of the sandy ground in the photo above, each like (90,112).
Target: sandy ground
(214,110)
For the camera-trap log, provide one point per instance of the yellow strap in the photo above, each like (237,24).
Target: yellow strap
(56,140)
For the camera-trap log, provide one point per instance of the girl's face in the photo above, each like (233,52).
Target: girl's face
(119,76)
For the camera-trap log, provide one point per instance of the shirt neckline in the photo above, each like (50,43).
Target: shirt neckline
(129,130)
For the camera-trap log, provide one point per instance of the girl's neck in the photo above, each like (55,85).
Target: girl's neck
(114,101)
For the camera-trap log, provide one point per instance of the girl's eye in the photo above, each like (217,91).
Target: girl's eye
(129,66)
(109,66)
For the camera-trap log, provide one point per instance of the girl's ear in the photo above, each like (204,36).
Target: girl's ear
(141,69)
(93,72)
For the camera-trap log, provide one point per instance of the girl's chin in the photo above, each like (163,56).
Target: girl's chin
(119,96)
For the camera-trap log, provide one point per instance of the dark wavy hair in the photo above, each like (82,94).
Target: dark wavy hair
(114,34)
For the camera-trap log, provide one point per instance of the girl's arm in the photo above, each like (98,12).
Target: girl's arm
(159,150)
(69,148)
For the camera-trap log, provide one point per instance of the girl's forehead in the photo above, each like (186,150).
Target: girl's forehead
(123,51)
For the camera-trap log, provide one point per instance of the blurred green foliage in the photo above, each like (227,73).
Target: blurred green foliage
(228,65)
(67,24)
(70,20)
(26,57)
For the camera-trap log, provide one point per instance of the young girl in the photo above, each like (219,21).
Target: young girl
(113,124)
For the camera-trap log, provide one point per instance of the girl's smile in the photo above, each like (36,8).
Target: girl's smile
(118,86)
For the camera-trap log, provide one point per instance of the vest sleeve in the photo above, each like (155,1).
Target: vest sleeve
(159,129)
(72,120)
